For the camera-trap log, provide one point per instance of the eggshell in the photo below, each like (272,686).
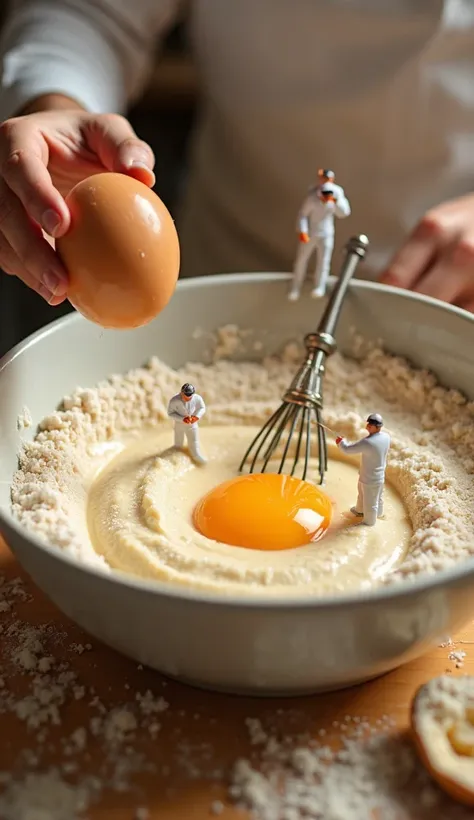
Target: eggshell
(121,251)
(432,755)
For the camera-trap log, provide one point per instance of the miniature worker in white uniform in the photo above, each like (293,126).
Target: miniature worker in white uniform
(316,233)
(373,450)
(186,409)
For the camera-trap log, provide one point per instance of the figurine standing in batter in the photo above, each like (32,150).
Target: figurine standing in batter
(373,450)
(186,409)
(316,233)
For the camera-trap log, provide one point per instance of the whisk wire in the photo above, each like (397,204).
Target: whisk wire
(322,448)
(305,396)
(307,424)
(294,417)
(277,437)
(261,438)
(298,442)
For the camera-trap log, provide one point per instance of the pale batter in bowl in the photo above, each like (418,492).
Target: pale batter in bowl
(140,520)
(101,482)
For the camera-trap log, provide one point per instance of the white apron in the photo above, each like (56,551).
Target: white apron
(380,91)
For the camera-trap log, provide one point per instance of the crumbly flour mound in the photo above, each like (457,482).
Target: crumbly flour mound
(431,460)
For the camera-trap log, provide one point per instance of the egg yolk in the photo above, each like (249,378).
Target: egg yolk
(264,511)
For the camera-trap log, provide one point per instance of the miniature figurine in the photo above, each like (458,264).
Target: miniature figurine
(373,450)
(316,233)
(186,409)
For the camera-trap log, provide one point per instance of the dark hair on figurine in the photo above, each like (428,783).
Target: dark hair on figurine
(375,419)
(188,389)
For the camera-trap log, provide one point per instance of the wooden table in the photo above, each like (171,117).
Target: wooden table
(194,718)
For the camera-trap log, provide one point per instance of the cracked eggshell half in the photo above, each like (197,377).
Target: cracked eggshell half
(436,715)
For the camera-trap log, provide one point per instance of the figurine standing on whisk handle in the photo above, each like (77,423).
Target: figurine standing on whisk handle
(316,233)
(288,433)
(373,451)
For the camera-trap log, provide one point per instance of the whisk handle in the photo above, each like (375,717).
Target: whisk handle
(356,249)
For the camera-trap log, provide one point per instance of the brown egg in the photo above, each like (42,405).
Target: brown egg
(121,251)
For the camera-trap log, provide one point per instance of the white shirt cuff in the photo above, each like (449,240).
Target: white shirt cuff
(71,59)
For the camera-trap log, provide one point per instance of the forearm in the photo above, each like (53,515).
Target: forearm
(54,51)
(94,52)
(342,208)
(303,224)
(200,409)
(356,447)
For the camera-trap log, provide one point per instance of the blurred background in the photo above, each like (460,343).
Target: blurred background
(164,118)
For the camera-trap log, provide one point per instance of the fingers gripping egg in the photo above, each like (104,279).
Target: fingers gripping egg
(121,251)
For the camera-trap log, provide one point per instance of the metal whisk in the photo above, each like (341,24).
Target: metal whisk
(303,401)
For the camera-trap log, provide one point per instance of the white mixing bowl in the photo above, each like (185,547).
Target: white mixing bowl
(259,647)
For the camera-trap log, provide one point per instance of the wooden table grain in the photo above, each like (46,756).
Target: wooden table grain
(210,724)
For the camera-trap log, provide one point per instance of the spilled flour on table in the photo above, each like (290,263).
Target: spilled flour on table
(285,775)
(456,655)
(375,775)
(37,687)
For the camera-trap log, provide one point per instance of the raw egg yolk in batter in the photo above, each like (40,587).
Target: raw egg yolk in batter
(264,511)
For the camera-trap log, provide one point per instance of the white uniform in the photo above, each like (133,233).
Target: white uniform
(373,450)
(178,410)
(316,218)
(381,92)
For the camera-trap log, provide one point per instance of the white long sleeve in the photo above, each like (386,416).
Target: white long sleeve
(97,52)
(304,214)
(373,450)
(342,208)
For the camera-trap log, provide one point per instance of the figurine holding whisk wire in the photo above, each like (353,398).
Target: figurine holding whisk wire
(373,450)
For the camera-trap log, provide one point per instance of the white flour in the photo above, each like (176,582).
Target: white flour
(374,776)
(39,687)
(431,461)
(285,775)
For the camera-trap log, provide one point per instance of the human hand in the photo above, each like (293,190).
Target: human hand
(437,259)
(187,419)
(42,156)
(194,419)
(304,237)
(338,439)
